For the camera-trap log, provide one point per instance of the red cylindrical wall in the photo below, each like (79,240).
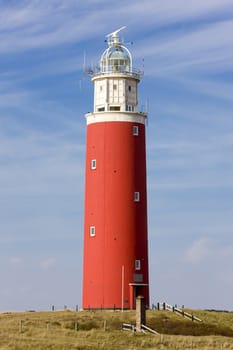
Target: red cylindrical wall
(109,276)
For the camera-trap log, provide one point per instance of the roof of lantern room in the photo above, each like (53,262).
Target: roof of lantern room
(116,59)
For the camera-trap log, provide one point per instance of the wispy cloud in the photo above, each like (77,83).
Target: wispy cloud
(167,12)
(214,88)
(191,162)
(34,24)
(16,261)
(48,263)
(199,250)
(36,160)
(201,50)
(207,249)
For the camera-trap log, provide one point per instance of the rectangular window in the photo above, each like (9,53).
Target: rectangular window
(135,130)
(92,231)
(101,109)
(136,196)
(129,108)
(114,86)
(129,87)
(93,164)
(101,87)
(138,277)
(115,108)
(137,265)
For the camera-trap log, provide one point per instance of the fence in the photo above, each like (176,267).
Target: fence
(181,312)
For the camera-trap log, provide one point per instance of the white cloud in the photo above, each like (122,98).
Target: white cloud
(48,263)
(199,250)
(216,89)
(204,49)
(35,24)
(16,261)
(170,11)
(40,24)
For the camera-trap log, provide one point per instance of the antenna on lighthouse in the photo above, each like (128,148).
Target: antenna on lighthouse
(113,38)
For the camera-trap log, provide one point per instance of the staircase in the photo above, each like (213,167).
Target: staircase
(181,312)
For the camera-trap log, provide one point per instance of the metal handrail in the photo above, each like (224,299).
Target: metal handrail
(136,73)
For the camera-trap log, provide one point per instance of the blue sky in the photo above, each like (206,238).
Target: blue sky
(186,50)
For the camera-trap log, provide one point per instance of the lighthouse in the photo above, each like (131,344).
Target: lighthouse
(115,258)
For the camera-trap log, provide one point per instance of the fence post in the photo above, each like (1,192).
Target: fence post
(140,312)
(20,326)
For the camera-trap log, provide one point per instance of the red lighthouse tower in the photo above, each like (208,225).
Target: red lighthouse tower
(115,269)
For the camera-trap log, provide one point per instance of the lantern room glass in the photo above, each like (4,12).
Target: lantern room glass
(116,59)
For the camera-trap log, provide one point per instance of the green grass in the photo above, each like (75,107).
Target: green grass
(68,330)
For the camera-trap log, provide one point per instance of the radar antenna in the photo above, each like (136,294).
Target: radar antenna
(113,37)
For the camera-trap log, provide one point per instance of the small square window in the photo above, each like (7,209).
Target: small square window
(135,130)
(136,196)
(137,265)
(93,164)
(92,231)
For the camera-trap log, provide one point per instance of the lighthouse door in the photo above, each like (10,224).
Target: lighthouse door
(135,291)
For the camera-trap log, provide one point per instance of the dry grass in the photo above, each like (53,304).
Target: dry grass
(84,330)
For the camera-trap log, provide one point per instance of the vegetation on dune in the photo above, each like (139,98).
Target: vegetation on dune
(87,330)
(174,324)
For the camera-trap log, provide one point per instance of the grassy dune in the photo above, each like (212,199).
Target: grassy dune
(68,330)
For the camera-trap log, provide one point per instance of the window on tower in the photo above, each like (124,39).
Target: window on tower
(135,130)
(92,231)
(137,265)
(93,164)
(136,196)
(129,108)
(115,108)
